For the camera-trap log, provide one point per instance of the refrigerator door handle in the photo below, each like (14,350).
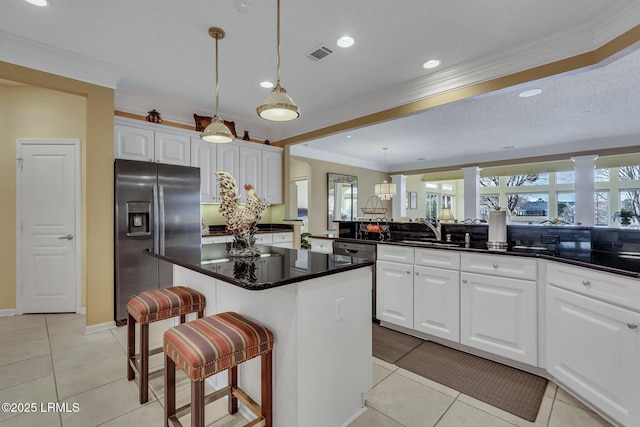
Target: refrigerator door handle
(156,226)
(161,217)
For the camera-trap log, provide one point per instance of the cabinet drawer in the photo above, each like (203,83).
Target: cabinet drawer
(264,239)
(282,237)
(619,290)
(437,258)
(321,245)
(499,265)
(395,253)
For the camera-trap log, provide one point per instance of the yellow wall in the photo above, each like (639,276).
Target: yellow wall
(30,112)
(97,177)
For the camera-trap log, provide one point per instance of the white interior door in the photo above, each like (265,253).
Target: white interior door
(47,192)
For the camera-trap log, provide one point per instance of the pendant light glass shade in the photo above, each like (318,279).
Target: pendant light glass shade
(217,131)
(385,191)
(278,106)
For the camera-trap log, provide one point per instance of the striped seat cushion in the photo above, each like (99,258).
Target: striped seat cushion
(213,344)
(158,304)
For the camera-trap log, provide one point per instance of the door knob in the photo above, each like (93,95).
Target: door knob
(67,237)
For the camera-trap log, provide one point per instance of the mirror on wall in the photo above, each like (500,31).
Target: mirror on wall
(342,198)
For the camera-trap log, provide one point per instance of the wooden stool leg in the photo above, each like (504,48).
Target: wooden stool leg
(131,346)
(197,403)
(144,363)
(266,396)
(169,389)
(233,383)
(183,318)
(200,314)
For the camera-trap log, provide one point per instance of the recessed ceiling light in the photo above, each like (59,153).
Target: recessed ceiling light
(37,2)
(530,92)
(432,63)
(346,41)
(266,85)
(348,136)
(242,6)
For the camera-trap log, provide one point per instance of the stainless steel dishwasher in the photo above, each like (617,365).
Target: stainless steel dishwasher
(365,250)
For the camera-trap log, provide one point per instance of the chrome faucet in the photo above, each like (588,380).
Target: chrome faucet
(437,229)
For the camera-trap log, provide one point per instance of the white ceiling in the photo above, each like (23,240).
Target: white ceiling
(158,55)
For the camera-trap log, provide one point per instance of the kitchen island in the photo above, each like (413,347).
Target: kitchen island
(318,307)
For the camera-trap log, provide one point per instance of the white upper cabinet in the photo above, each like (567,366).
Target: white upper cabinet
(250,171)
(133,143)
(172,149)
(145,144)
(248,162)
(272,177)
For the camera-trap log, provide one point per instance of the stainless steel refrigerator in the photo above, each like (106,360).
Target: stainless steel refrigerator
(156,206)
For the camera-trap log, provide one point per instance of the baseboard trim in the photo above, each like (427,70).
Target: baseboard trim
(5,312)
(92,329)
(83,310)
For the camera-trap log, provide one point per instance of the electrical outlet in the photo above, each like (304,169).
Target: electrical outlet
(339,313)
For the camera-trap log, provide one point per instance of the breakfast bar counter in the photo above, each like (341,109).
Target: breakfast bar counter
(318,307)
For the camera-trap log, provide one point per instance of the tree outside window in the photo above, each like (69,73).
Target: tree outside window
(432,206)
(601,208)
(567,207)
(566,177)
(487,203)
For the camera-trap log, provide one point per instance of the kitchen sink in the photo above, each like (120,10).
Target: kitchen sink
(430,243)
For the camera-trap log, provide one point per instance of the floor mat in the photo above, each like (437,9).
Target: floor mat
(512,390)
(390,345)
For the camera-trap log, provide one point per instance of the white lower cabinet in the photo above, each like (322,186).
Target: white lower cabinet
(321,245)
(499,315)
(394,288)
(283,240)
(593,348)
(436,309)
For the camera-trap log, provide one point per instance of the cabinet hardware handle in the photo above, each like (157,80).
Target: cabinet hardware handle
(586,282)
(464,280)
(632,326)
(495,265)
(417,274)
(67,237)
(408,272)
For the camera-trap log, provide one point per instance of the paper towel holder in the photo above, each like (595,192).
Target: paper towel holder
(497,230)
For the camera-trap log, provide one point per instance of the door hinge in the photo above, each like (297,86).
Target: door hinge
(19,159)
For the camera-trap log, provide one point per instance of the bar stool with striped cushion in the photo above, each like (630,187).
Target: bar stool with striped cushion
(210,345)
(148,307)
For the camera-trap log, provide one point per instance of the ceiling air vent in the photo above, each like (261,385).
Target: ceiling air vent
(320,53)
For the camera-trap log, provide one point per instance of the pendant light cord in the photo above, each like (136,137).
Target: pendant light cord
(278,44)
(217,83)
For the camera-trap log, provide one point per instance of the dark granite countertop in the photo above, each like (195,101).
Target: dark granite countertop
(624,262)
(275,267)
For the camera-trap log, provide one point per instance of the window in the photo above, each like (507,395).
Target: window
(527,179)
(432,206)
(488,202)
(602,175)
(630,199)
(490,181)
(567,207)
(566,177)
(601,208)
(528,204)
(629,173)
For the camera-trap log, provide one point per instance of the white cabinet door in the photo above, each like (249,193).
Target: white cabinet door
(394,288)
(172,149)
(228,159)
(203,156)
(436,308)
(133,143)
(499,315)
(272,177)
(593,348)
(283,240)
(250,171)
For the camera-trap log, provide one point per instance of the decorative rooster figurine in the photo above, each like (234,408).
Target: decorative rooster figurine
(242,220)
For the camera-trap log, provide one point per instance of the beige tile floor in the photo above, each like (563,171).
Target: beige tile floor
(47,359)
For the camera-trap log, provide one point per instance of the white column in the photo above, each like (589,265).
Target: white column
(399,201)
(584,167)
(471,192)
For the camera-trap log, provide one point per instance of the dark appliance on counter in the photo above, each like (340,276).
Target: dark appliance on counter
(156,206)
(365,249)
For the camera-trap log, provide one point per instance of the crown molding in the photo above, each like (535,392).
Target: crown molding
(327,156)
(42,57)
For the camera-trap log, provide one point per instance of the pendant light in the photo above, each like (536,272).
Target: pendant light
(385,191)
(278,106)
(216,131)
